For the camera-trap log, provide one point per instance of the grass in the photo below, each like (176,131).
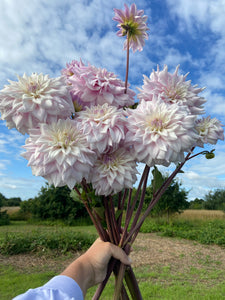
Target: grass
(206,227)
(160,282)
(10,209)
(201,214)
(22,238)
(203,278)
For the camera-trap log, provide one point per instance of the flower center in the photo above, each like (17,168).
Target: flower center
(32,89)
(109,160)
(175,92)
(156,124)
(130,27)
(64,139)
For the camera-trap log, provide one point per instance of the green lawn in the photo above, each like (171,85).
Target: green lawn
(160,283)
(206,280)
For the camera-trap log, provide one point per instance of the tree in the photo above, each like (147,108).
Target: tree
(197,204)
(215,200)
(173,200)
(4,217)
(54,204)
(2,200)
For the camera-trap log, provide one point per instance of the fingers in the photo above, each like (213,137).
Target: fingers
(119,254)
(107,250)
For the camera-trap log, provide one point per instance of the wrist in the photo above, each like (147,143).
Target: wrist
(82,272)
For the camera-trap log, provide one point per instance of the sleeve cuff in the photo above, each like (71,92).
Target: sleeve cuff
(66,285)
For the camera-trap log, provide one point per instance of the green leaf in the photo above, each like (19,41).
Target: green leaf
(157,180)
(118,213)
(75,196)
(100,211)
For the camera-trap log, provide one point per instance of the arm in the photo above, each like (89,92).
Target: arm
(86,271)
(90,268)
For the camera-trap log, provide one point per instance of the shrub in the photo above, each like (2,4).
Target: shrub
(60,240)
(4,218)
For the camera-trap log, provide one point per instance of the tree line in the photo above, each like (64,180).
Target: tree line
(60,204)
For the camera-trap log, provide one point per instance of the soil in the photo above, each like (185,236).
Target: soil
(149,249)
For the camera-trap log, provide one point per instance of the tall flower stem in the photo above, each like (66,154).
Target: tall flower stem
(134,231)
(131,210)
(127,65)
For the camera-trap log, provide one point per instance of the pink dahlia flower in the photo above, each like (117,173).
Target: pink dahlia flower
(103,126)
(160,132)
(132,24)
(92,86)
(59,152)
(33,100)
(210,131)
(173,89)
(113,171)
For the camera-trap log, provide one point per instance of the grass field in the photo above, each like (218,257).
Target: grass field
(201,214)
(167,268)
(10,209)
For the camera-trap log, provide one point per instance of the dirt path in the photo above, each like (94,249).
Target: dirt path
(149,249)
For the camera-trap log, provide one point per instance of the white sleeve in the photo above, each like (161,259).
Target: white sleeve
(60,287)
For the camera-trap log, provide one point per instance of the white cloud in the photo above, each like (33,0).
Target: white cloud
(41,36)
(24,188)
(197,13)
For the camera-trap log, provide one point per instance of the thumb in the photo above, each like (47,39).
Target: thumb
(119,254)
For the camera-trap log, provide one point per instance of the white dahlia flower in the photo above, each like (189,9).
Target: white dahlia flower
(59,152)
(113,171)
(103,126)
(92,86)
(160,132)
(210,131)
(173,89)
(35,99)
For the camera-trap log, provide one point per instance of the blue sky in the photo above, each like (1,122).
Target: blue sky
(42,36)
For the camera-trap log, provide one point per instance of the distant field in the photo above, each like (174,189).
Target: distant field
(202,214)
(10,209)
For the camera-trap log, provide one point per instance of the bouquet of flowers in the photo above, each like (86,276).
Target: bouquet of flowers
(86,128)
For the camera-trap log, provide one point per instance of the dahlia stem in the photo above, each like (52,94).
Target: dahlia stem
(141,202)
(119,282)
(121,208)
(131,210)
(127,66)
(132,284)
(155,199)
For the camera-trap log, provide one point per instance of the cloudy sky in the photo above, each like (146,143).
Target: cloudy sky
(43,35)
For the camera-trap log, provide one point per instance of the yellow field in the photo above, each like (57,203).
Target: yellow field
(10,209)
(201,214)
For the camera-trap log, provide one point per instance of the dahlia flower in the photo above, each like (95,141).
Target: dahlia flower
(103,126)
(92,86)
(173,89)
(59,152)
(210,131)
(132,24)
(34,99)
(160,132)
(113,171)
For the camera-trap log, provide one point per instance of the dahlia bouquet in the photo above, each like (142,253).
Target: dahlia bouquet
(86,130)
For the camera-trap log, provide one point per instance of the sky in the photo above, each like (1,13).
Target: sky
(43,35)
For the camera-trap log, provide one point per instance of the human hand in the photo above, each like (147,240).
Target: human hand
(91,267)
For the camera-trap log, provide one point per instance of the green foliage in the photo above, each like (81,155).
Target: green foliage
(205,232)
(215,200)
(40,241)
(2,199)
(173,200)
(14,201)
(196,204)
(157,180)
(54,204)
(4,218)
